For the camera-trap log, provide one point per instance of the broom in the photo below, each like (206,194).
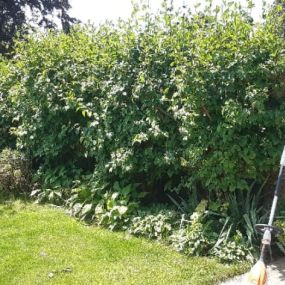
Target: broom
(258,274)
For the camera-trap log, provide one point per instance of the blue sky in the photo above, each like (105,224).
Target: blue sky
(97,11)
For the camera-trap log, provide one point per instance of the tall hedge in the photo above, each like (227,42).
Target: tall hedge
(6,106)
(170,101)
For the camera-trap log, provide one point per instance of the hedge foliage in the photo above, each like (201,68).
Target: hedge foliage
(6,113)
(170,101)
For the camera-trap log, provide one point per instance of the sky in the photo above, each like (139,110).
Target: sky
(97,11)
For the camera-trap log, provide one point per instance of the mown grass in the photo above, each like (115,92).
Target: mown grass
(42,245)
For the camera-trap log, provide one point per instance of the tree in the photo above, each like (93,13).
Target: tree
(281,9)
(15,16)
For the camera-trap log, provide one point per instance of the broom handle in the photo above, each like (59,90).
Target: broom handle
(277,189)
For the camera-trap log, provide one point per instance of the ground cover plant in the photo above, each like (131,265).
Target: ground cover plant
(41,245)
(181,105)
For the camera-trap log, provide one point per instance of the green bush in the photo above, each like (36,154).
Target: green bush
(6,110)
(15,175)
(172,101)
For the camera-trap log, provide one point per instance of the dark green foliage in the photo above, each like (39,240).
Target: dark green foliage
(6,111)
(110,208)
(174,101)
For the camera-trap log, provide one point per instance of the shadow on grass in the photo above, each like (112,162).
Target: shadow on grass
(7,202)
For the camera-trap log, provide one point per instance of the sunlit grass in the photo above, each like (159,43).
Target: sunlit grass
(42,245)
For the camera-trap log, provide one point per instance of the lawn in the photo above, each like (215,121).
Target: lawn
(42,245)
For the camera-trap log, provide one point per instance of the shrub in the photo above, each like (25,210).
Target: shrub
(174,101)
(7,140)
(15,176)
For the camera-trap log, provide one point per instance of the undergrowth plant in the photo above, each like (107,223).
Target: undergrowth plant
(157,225)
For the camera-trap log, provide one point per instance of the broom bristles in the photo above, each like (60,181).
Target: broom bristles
(257,274)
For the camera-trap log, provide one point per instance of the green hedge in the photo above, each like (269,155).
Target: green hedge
(168,102)
(6,109)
